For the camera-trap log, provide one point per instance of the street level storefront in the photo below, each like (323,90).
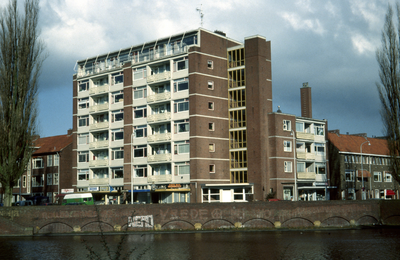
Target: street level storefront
(105,195)
(159,193)
(313,191)
(235,192)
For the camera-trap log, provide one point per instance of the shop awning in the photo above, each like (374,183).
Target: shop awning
(390,193)
(139,190)
(172,190)
(366,174)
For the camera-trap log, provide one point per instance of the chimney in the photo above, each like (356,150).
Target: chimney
(305,99)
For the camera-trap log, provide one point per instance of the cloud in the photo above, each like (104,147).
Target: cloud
(362,45)
(298,23)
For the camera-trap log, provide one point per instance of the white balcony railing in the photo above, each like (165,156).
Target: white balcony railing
(98,125)
(306,175)
(159,137)
(166,75)
(99,181)
(307,136)
(97,90)
(100,144)
(98,107)
(305,156)
(159,178)
(98,163)
(159,117)
(159,157)
(159,97)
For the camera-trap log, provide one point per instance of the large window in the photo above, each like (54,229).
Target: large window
(117,173)
(83,156)
(83,121)
(140,92)
(117,153)
(140,151)
(117,97)
(320,168)
(299,127)
(349,175)
(287,125)
(55,178)
(318,129)
(117,78)
(83,103)
(139,73)
(287,146)
(377,176)
(181,105)
(181,84)
(182,168)
(83,139)
(301,166)
(140,171)
(49,179)
(181,64)
(181,147)
(140,131)
(319,148)
(56,159)
(117,115)
(181,126)
(37,163)
(117,134)
(83,85)
(49,160)
(140,112)
(288,166)
(83,175)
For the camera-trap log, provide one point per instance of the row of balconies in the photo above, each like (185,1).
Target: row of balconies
(312,176)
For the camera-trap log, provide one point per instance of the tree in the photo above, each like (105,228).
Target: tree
(389,86)
(21,59)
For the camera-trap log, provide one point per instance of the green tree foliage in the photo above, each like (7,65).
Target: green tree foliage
(20,64)
(389,86)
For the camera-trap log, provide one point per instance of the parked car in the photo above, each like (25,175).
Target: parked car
(24,203)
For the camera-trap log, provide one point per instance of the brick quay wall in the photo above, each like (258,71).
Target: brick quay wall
(34,220)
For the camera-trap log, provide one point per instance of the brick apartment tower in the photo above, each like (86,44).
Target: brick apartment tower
(306,102)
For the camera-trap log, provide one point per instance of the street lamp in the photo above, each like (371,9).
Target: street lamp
(294,166)
(362,172)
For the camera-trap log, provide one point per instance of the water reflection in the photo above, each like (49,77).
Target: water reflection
(335,244)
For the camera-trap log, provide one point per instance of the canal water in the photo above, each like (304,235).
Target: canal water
(376,243)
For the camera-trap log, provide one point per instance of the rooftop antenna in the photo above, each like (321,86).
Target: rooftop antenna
(200,10)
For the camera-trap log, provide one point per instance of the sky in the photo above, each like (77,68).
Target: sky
(329,44)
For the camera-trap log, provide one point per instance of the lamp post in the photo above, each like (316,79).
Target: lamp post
(294,166)
(132,136)
(362,172)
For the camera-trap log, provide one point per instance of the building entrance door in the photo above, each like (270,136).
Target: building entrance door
(226,196)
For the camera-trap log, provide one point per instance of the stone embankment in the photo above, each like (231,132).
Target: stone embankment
(33,220)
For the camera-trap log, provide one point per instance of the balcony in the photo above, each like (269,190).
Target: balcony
(166,75)
(97,108)
(100,125)
(306,175)
(159,157)
(98,163)
(100,144)
(98,90)
(159,117)
(159,97)
(307,136)
(305,156)
(159,178)
(102,181)
(159,138)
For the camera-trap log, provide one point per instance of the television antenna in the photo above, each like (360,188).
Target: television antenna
(200,10)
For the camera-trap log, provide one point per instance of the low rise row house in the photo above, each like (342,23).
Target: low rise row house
(360,167)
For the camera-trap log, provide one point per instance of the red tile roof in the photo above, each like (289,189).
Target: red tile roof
(352,143)
(52,144)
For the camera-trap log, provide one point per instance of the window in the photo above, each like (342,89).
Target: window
(83,175)
(181,64)
(182,168)
(56,157)
(55,178)
(210,85)
(287,125)
(49,160)
(377,176)
(140,171)
(117,173)
(83,85)
(349,175)
(117,153)
(320,168)
(299,127)
(117,134)
(388,177)
(181,126)
(210,105)
(140,151)
(37,163)
(117,115)
(139,73)
(301,167)
(49,179)
(211,168)
(140,92)
(83,138)
(83,156)
(37,181)
(140,131)
(287,146)
(181,84)
(211,126)
(140,112)
(24,181)
(117,78)
(211,147)
(101,81)
(210,64)
(288,166)
(181,147)
(83,103)
(319,148)
(318,129)
(181,105)
(117,97)
(83,121)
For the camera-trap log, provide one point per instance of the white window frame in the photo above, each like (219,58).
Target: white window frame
(181,105)
(210,64)
(83,103)
(378,176)
(83,139)
(211,168)
(117,97)
(139,73)
(140,168)
(178,168)
(181,122)
(181,81)
(49,160)
(84,173)
(38,163)
(84,120)
(139,92)
(49,179)
(210,105)
(142,128)
(114,133)
(287,125)
(141,108)
(211,147)
(56,159)
(287,146)
(210,85)
(211,126)
(388,177)
(116,113)
(288,166)
(117,153)
(84,156)
(115,170)
(83,85)
(178,146)
(119,76)
(140,147)
(179,61)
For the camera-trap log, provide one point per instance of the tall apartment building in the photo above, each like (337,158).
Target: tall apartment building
(178,119)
